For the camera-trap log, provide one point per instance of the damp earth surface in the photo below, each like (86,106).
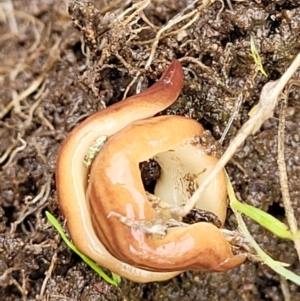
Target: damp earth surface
(61,61)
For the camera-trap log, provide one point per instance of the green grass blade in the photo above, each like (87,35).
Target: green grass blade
(267,221)
(276,266)
(256,57)
(115,280)
(261,217)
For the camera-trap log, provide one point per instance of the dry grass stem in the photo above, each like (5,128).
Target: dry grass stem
(137,8)
(285,289)
(8,9)
(191,16)
(289,211)
(172,22)
(265,108)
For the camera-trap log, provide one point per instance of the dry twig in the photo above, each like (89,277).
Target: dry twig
(265,108)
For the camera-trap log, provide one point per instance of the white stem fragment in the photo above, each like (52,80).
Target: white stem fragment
(265,108)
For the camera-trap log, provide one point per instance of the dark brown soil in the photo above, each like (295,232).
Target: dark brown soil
(75,66)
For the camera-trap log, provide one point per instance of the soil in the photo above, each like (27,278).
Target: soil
(61,61)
